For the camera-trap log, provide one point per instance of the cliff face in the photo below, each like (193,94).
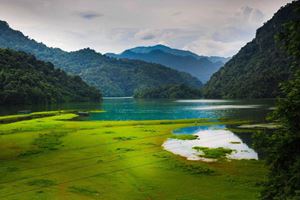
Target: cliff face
(258,68)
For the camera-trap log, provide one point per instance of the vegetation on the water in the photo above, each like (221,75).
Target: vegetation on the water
(26,80)
(184,137)
(178,91)
(259,67)
(282,146)
(54,157)
(21,117)
(113,77)
(214,153)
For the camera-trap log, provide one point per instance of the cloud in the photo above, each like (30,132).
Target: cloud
(155,34)
(247,15)
(240,27)
(210,47)
(230,34)
(89,15)
(147,34)
(216,27)
(177,13)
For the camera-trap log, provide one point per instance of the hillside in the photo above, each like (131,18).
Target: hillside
(200,66)
(26,80)
(168,92)
(259,67)
(112,76)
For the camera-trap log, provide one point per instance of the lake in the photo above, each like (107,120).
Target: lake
(132,109)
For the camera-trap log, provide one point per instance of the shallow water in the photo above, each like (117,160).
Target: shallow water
(212,138)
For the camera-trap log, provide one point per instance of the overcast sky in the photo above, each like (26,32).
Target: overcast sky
(206,27)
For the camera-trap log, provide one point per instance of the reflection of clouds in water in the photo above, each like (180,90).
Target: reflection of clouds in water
(196,129)
(224,107)
(211,139)
(203,101)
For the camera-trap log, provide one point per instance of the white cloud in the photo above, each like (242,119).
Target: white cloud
(212,47)
(215,27)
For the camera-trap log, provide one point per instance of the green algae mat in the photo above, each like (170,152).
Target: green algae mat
(53,157)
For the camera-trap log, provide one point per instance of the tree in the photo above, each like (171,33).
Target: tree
(282,147)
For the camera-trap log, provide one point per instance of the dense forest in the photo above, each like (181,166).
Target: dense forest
(282,146)
(26,80)
(180,91)
(112,76)
(259,67)
(201,67)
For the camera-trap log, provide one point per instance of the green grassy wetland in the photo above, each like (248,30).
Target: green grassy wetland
(54,157)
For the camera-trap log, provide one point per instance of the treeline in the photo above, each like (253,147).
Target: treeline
(178,91)
(26,80)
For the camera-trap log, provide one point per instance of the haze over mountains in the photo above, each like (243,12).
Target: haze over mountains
(200,66)
(112,76)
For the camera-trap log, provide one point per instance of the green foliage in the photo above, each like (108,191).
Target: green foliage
(215,153)
(194,169)
(259,67)
(178,91)
(83,191)
(41,183)
(114,77)
(25,80)
(184,137)
(49,141)
(124,138)
(282,146)
(44,143)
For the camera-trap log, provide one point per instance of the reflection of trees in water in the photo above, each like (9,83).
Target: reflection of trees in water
(247,137)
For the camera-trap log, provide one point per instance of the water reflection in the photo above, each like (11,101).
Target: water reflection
(195,129)
(211,136)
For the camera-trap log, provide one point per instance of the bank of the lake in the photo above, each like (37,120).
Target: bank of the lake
(54,157)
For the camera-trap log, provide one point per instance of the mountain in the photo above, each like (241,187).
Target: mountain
(165,49)
(180,91)
(258,68)
(26,80)
(112,76)
(200,66)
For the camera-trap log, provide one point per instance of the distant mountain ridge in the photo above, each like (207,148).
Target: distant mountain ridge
(259,67)
(186,61)
(165,49)
(112,76)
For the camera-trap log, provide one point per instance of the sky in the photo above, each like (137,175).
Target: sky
(206,27)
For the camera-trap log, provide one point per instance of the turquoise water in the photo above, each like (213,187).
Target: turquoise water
(131,109)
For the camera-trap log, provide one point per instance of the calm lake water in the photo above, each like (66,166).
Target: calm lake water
(131,109)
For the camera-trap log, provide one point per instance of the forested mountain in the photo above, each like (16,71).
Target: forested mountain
(200,66)
(112,76)
(26,80)
(259,67)
(281,146)
(180,91)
